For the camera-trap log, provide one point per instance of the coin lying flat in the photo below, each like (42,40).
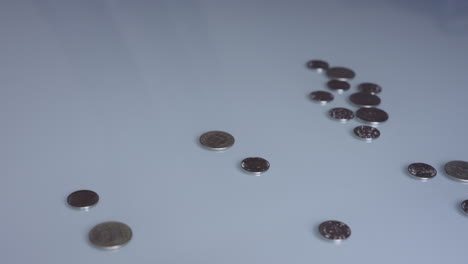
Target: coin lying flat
(321,97)
(338,86)
(255,165)
(367,133)
(317,65)
(335,230)
(340,73)
(110,235)
(422,171)
(370,88)
(364,99)
(217,140)
(341,114)
(372,115)
(83,199)
(464,206)
(458,170)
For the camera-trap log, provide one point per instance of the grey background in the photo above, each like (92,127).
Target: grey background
(113,95)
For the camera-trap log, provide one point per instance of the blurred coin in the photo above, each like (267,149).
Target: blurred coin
(364,99)
(458,170)
(217,140)
(341,114)
(317,65)
(367,133)
(255,165)
(321,97)
(338,86)
(340,73)
(335,230)
(422,171)
(372,115)
(110,235)
(83,199)
(370,88)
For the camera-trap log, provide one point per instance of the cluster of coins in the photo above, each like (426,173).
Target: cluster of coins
(366,98)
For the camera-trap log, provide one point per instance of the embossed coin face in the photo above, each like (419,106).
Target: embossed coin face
(335,230)
(321,97)
(367,133)
(255,165)
(364,99)
(341,114)
(110,235)
(422,171)
(317,65)
(83,199)
(340,73)
(458,170)
(372,115)
(338,86)
(217,140)
(464,206)
(370,88)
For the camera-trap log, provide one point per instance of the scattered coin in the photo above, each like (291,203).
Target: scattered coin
(458,170)
(367,133)
(340,73)
(464,206)
(422,171)
(217,140)
(317,65)
(364,99)
(110,235)
(83,199)
(372,115)
(339,86)
(321,97)
(334,230)
(341,114)
(255,165)
(370,88)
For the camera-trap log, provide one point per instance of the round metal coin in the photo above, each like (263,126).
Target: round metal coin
(317,65)
(83,199)
(464,206)
(367,133)
(255,165)
(339,86)
(364,99)
(110,235)
(217,140)
(341,114)
(370,88)
(334,230)
(372,115)
(340,73)
(321,97)
(422,171)
(458,170)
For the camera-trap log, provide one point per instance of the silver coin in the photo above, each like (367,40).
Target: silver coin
(110,235)
(340,73)
(217,140)
(372,115)
(339,86)
(335,230)
(458,170)
(255,165)
(83,199)
(364,99)
(317,65)
(321,97)
(464,206)
(422,171)
(366,132)
(341,114)
(370,88)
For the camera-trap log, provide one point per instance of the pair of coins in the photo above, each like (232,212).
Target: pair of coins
(334,230)
(338,73)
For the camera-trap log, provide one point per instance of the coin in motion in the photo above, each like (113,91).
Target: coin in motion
(370,88)
(422,171)
(335,230)
(367,133)
(217,140)
(364,99)
(110,235)
(321,97)
(317,65)
(341,73)
(457,169)
(341,114)
(464,206)
(83,199)
(373,116)
(338,86)
(255,165)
